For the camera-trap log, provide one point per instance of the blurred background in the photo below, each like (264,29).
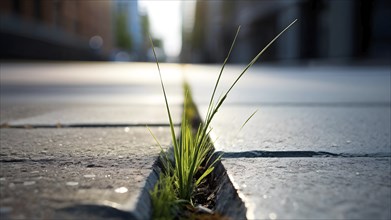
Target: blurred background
(195,31)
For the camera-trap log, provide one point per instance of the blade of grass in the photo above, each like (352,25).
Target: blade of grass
(222,69)
(248,119)
(156,140)
(163,199)
(259,54)
(221,101)
(165,161)
(165,95)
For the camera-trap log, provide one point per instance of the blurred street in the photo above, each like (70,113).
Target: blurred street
(73,131)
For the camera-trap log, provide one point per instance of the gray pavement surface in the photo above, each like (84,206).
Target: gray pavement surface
(102,115)
(46,170)
(294,84)
(319,146)
(100,169)
(87,93)
(350,130)
(314,188)
(89,83)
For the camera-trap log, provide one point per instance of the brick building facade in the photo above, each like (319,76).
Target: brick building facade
(57,29)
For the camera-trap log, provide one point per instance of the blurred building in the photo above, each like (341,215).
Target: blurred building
(129,31)
(342,30)
(56,29)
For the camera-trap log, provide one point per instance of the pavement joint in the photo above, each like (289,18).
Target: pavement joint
(20,160)
(30,126)
(281,154)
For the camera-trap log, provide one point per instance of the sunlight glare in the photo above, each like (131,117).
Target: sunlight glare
(165,22)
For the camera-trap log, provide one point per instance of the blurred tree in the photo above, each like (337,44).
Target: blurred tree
(145,25)
(157,42)
(123,38)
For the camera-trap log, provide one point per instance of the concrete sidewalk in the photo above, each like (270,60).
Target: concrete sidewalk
(319,146)
(50,173)
(74,143)
(89,154)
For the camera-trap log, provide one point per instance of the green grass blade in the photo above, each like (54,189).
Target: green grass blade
(154,137)
(165,95)
(222,68)
(221,101)
(248,119)
(206,173)
(210,111)
(259,54)
(165,161)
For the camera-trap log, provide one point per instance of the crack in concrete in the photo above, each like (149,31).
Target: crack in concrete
(281,154)
(20,160)
(30,126)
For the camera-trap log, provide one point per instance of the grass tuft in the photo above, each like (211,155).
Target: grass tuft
(192,150)
(163,199)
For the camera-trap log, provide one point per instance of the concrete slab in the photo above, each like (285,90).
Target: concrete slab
(87,74)
(89,82)
(357,130)
(293,84)
(15,111)
(343,111)
(352,185)
(103,115)
(313,188)
(132,94)
(88,92)
(70,173)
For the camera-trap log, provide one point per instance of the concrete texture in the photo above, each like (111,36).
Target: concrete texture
(353,184)
(355,130)
(105,115)
(293,84)
(118,74)
(57,173)
(319,146)
(101,173)
(101,169)
(314,188)
(89,83)
(16,111)
(87,92)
